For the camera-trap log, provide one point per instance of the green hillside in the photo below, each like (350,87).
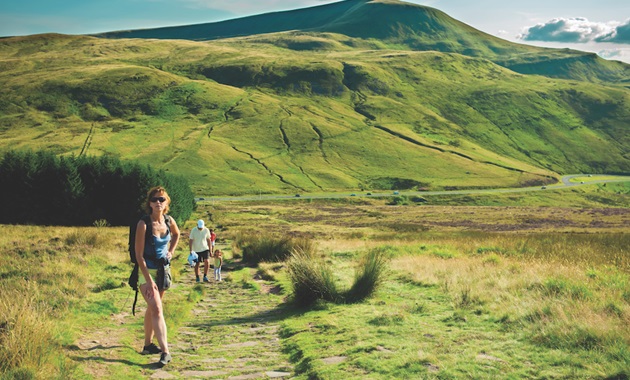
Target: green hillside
(238,116)
(394,24)
(355,94)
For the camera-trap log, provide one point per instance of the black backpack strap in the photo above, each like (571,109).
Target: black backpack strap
(135,300)
(136,275)
(148,234)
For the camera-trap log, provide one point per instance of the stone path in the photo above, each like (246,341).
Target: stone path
(233,335)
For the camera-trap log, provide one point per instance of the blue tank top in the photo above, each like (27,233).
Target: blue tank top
(161,250)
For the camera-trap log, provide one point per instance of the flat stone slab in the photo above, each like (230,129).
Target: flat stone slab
(277,374)
(204,374)
(256,375)
(161,374)
(334,359)
(244,344)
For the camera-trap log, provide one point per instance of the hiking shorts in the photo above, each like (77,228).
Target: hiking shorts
(203,256)
(152,272)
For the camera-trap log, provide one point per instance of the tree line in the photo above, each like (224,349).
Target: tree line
(45,189)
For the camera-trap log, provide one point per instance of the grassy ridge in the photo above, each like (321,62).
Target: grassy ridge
(280,120)
(393,25)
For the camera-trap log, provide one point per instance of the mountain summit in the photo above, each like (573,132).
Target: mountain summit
(397,22)
(398,25)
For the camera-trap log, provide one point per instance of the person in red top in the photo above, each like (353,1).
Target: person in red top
(213,237)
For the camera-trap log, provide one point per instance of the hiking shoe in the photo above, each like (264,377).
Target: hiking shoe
(197,278)
(151,349)
(164,359)
(205,279)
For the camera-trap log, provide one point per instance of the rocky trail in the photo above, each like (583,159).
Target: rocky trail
(232,333)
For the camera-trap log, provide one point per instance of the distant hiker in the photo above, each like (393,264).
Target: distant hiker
(218,262)
(200,243)
(154,264)
(213,238)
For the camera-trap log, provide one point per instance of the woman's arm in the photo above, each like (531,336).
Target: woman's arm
(174,239)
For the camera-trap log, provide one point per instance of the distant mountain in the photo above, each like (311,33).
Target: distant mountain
(405,26)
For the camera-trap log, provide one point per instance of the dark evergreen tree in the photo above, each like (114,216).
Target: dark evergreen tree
(43,188)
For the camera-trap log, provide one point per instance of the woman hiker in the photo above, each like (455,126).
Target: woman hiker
(150,256)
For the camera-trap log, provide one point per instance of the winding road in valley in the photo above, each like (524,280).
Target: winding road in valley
(566,182)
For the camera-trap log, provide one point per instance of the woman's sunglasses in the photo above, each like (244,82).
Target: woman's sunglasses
(158,199)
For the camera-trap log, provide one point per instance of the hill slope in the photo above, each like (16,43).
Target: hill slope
(396,24)
(239,116)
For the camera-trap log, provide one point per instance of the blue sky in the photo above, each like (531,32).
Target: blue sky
(601,26)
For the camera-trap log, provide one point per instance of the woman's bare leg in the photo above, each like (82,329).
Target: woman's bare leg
(148,327)
(155,315)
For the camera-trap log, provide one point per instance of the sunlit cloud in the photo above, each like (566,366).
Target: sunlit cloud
(619,54)
(576,30)
(621,34)
(610,53)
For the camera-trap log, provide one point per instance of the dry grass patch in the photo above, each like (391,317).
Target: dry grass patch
(51,272)
(561,306)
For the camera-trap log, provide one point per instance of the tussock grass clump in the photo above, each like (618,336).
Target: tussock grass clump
(369,276)
(387,319)
(561,287)
(270,248)
(311,278)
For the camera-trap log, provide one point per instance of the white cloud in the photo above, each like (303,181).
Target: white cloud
(619,54)
(621,34)
(610,53)
(573,30)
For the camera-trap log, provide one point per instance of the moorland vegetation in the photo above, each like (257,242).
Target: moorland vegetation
(454,301)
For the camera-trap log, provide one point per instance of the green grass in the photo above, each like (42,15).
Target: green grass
(517,304)
(78,281)
(287,121)
(373,339)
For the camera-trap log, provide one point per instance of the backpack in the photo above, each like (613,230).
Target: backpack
(133,278)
